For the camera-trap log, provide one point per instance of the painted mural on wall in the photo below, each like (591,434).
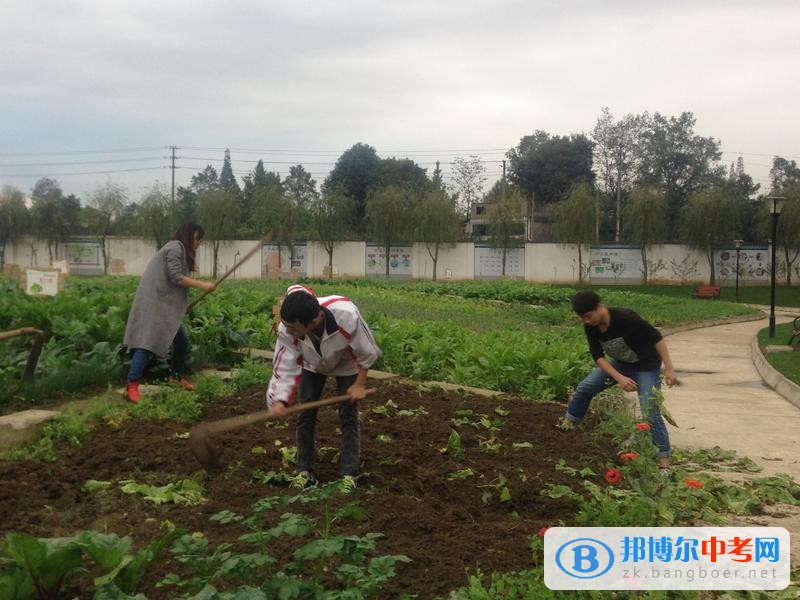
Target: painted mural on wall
(754,265)
(281,262)
(400,261)
(84,257)
(489,262)
(609,264)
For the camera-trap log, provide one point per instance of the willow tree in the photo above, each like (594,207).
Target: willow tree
(575,220)
(506,223)
(645,218)
(437,223)
(388,216)
(709,219)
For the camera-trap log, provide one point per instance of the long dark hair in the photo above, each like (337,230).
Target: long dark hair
(185,235)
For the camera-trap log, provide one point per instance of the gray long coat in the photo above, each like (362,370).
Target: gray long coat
(160,302)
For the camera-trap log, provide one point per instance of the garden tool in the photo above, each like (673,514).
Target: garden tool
(200,435)
(36,350)
(264,240)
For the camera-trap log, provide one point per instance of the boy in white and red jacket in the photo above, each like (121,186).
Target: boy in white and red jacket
(317,338)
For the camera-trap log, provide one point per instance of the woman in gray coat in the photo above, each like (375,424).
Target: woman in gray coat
(159,306)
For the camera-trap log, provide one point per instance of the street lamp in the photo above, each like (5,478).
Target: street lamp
(776,204)
(738,250)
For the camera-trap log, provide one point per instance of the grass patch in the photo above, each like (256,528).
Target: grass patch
(786,363)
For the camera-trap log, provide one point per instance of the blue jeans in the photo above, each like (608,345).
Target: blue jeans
(311,386)
(180,349)
(646,382)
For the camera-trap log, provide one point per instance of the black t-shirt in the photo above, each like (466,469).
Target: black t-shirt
(629,339)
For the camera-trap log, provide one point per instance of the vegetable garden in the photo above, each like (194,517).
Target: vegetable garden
(110,503)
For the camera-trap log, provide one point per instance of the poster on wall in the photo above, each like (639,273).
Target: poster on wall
(754,265)
(615,265)
(400,264)
(84,257)
(489,262)
(282,262)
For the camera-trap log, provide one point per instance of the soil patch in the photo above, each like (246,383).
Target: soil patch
(446,526)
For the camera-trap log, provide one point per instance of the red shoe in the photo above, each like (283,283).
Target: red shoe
(132,392)
(183,382)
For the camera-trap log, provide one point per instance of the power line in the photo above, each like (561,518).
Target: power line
(68,152)
(83,172)
(80,162)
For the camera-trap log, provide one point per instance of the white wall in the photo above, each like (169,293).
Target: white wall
(544,262)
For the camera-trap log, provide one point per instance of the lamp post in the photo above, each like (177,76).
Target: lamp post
(776,203)
(738,250)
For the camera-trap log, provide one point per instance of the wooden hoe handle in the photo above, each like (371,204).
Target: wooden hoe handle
(240,421)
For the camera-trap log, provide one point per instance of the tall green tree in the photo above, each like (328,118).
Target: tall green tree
(14,219)
(677,160)
(783,173)
(104,208)
(547,167)
(388,217)
(616,157)
(300,188)
(154,217)
(709,220)
(355,174)
(437,223)
(331,221)
(506,223)
(575,221)
(219,215)
(403,173)
(468,177)
(54,217)
(645,217)
(227,180)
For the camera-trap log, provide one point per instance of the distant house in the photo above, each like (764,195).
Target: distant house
(538,224)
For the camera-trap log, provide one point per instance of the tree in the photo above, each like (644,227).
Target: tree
(188,197)
(783,173)
(437,223)
(403,173)
(354,174)
(388,216)
(788,232)
(506,224)
(227,180)
(547,167)
(708,220)
(154,218)
(575,221)
(616,157)
(300,188)
(105,205)
(219,214)
(54,217)
(677,160)
(257,185)
(331,220)
(14,219)
(645,221)
(468,177)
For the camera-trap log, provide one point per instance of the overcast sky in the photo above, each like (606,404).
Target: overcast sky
(301,81)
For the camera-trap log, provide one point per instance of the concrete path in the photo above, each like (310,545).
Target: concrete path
(724,401)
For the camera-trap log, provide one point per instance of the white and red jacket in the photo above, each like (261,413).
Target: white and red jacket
(346,345)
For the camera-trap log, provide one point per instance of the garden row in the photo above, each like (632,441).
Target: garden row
(509,336)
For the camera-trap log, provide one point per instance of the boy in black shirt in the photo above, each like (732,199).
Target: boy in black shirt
(636,350)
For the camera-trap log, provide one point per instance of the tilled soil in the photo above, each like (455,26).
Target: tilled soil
(447,527)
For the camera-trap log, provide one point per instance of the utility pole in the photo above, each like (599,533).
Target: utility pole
(173,176)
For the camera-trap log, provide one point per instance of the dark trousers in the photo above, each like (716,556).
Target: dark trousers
(180,350)
(311,386)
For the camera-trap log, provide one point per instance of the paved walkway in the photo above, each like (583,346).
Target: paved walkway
(724,401)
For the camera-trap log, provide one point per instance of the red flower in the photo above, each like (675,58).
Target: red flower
(693,483)
(643,426)
(542,531)
(626,456)
(613,476)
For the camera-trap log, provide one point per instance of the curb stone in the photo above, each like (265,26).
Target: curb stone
(787,389)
